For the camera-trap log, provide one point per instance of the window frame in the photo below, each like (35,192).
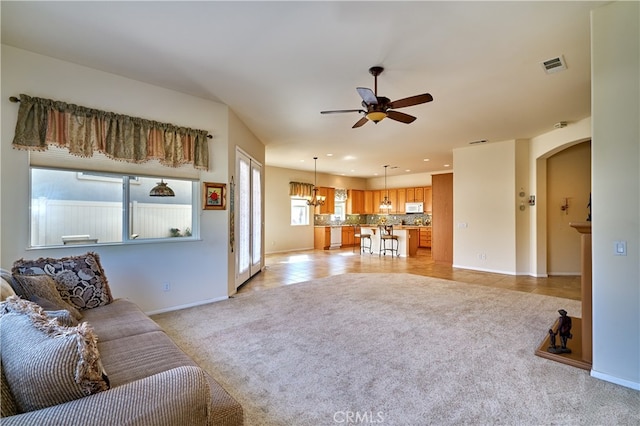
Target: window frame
(127,180)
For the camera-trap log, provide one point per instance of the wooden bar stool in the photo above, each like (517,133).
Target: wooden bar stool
(363,237)
(386,234)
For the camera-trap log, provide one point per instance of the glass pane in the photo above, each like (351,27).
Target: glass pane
(69,207)
(256,216)
(160,217)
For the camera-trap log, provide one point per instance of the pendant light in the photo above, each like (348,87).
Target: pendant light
(161,190)
(316,198)
(386,203)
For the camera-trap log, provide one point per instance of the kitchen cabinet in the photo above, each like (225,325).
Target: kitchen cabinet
(402,199)
(355,201)
(425,237)
(376,202)
(348,236)
(329,205)
(415,195)
(322,237)
(368,202)
(428,205)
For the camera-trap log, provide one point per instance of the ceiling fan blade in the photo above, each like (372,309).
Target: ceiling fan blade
(401,116)
(411,100)
(338,111)
(367,95)
(360,122)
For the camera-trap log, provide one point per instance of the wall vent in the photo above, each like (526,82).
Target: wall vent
(554,65)
(478,141)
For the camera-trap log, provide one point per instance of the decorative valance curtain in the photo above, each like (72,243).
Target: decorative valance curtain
(301,190)
(42,122)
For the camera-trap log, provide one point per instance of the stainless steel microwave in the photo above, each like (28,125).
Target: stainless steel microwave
(414,207)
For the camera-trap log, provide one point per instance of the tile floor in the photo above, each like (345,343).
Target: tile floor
(294,267)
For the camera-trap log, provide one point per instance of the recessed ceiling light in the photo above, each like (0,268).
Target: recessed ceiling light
(329,155)
(407,170)
(426,159)
(447,165)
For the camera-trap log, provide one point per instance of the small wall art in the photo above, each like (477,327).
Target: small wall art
(214,196)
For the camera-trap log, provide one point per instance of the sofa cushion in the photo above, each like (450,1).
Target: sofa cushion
(121,318)
(42,290)
(135,357)
(80,280)
(5,289)
(45,363)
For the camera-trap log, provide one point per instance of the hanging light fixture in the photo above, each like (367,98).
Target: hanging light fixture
(386,202)
(161,190)
(316,199)
(376,116)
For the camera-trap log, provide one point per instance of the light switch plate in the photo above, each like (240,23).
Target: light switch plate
(620,248)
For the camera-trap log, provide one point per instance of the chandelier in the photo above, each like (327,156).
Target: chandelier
(316,199)
(386,202)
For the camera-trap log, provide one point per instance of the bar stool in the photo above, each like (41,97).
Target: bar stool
(363,237)
(386,234)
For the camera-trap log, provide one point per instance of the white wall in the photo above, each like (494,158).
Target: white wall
(197,271)
(484,213)
(615,85)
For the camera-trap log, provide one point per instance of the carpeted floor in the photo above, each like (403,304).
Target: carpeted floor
(394,349)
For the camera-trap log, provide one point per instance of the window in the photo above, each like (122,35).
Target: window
(299,211)
(73,207)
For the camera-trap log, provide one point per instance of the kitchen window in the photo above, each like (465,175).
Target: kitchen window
(299,211)
(85,207)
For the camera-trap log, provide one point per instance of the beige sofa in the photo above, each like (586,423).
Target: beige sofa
(151,380)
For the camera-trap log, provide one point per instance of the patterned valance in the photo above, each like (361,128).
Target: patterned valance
(301,190)
(42,122)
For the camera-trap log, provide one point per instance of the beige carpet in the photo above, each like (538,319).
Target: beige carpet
(394,349)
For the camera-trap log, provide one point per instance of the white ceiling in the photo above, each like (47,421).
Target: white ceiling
(278,64)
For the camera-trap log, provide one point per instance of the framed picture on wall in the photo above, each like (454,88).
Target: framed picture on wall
(214,196)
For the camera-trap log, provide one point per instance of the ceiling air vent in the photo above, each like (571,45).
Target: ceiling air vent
(554,65)
(478,141)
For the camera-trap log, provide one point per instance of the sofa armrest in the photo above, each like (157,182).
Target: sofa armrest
(179,396)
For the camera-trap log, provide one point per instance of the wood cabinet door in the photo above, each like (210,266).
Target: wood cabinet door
(393,197)
(411,195)
(402,199)
(428,205)
(419,194)
(368,202)
(355,201)
(376,202)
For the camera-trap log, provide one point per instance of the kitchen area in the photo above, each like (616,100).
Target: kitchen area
(348,213)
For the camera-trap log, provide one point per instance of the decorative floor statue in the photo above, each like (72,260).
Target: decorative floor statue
(564,331)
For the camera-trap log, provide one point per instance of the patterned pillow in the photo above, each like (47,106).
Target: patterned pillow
(46,364)
(80,280)
(42,289)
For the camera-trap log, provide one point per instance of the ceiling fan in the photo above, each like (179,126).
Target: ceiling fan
(379,107)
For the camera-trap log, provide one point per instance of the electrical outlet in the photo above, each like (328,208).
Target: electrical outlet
(166,286)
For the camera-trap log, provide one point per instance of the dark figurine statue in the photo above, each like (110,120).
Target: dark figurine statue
(564,331)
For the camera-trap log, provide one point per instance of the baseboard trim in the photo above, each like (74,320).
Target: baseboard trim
(185,306)
(494,271)
(616,380)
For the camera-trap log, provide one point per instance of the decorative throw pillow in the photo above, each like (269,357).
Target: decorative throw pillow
(5,289)
(80,280)
(43,289)
(46,364)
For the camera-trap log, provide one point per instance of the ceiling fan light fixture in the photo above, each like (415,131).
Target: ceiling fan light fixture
(376,116)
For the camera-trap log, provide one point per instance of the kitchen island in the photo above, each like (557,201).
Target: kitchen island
(408,238)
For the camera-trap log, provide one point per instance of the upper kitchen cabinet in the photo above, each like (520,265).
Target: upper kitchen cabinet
(428,205)
(355,201)
(402,199)
(329,205)
(415,195)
